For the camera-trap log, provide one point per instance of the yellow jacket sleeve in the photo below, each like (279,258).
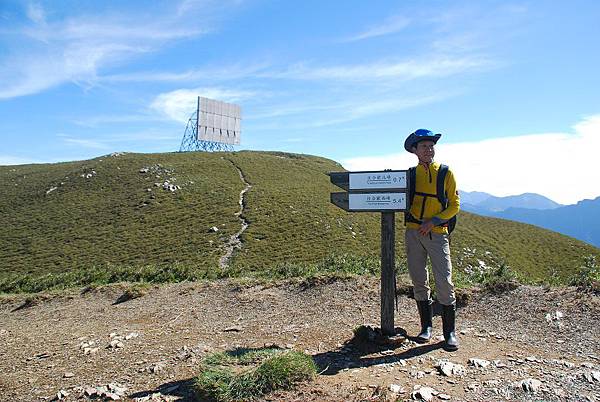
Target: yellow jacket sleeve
(453,198)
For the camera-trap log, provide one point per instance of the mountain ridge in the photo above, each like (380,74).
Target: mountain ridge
(137,210)
(576,220)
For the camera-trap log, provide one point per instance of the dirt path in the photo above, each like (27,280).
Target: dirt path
(42,346)
(235,240)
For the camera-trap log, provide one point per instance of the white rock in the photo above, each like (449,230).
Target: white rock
(144,170)
(131,336)
(591,376)
(444,397)
(90,391)
(62,394)
(479,362)
(51,190)
(213,229)
(117,389)
(115,344)
(530,385)
(397,389)
(155,368)
(449,369)
(424,393)
(68,374)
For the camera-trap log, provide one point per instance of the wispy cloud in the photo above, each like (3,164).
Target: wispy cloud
(36,13)
(538,163)
(75,50)
(392,25)
(98,120)
(426,66)
(178,105)
(15,160)
(82,142)
(220,73)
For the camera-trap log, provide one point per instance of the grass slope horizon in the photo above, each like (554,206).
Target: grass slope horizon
(113,211)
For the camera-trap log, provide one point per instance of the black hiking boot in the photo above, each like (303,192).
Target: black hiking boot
(448,323)
(424,307)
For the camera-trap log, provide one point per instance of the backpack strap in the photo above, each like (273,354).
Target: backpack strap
(440,190)
(442,196)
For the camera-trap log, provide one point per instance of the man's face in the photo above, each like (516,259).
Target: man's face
(425,151)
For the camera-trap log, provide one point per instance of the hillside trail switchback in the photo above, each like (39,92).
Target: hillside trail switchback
(235,239)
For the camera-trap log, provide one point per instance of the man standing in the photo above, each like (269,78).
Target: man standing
(427,235)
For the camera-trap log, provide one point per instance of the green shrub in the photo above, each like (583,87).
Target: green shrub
(588,275)
(245,374)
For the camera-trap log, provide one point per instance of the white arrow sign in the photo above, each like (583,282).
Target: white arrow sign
(377,180)
(377,201)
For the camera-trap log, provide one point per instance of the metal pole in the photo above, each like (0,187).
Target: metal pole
(388,230)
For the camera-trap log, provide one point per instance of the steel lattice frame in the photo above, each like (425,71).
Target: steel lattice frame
(191,143)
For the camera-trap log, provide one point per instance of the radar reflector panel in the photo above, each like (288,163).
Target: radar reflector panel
(218,121)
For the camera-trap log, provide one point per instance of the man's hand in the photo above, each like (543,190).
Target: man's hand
(425,228)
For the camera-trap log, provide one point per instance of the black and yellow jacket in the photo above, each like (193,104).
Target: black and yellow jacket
(429,208)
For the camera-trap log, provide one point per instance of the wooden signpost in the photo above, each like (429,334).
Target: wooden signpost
(378,191)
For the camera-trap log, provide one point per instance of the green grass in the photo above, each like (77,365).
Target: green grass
(109,227)
(588,275)
(245,374)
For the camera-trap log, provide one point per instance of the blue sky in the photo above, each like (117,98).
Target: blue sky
(513,86)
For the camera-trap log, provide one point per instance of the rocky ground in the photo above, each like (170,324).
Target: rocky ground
(530,344)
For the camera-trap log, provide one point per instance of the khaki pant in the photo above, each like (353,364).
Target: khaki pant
(438,248)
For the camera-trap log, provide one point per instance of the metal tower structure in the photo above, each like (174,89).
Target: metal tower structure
(191,143)
(214,126)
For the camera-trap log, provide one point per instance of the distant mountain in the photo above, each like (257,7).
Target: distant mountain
(473,197)
(527,200)
(581,221)
(484,202)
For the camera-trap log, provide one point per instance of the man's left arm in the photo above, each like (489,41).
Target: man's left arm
(453,201)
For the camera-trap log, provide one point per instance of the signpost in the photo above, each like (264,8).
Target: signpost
(377,191)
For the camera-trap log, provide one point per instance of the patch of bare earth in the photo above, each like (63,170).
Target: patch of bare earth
(64,343)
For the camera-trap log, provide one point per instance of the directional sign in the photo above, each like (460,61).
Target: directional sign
(370,202)
(370,181)
(385,192)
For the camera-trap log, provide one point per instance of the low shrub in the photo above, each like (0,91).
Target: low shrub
(245,374)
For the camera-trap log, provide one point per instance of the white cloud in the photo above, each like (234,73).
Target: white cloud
(222,73)
(76,49)
(561,166)
(35,13)
(84,143)
(15,160)
(427,66)
(180,104)
(392,25)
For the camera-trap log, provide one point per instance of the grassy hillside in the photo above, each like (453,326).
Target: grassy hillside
(114,210)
